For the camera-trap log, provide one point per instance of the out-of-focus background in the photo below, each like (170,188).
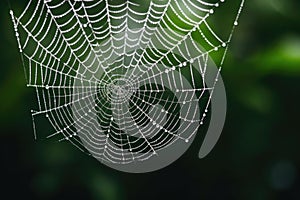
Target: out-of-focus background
(257,157)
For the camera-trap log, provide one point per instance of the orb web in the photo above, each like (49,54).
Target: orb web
(121,80)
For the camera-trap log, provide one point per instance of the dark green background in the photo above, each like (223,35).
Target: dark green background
(256,158)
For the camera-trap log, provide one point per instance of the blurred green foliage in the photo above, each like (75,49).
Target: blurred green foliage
(256,158)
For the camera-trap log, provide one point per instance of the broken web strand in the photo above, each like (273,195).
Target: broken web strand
(52,87)
(235,23)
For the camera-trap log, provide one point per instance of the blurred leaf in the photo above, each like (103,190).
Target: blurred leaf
(283,57)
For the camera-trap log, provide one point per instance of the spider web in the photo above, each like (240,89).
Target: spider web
(123,79)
